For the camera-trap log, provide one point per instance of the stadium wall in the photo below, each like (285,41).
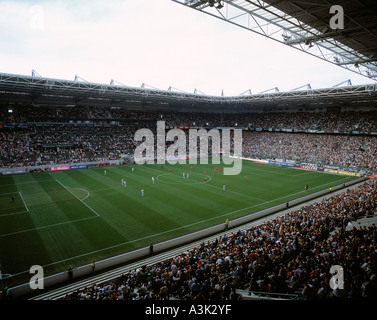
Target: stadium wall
(55,167)
(86,270)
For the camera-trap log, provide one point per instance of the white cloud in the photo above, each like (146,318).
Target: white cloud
(159,42)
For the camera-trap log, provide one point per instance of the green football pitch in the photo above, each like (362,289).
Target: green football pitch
(76,216)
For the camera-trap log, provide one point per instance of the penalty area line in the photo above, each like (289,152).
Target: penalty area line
(23,201)
(78,198)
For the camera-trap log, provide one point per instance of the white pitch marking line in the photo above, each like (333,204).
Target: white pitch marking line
(44,227)
(77,197)
(27,209)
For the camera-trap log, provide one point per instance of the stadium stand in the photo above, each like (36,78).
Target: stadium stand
(290,255)
(53,136)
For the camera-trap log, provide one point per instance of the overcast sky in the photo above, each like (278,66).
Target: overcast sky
(157,42)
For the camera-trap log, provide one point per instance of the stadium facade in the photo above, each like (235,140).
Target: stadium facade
(38,91)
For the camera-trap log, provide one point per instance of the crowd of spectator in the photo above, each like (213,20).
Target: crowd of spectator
(55,136)
(63,145)
(300,121)
(291,254)
(332,150)
(327,121)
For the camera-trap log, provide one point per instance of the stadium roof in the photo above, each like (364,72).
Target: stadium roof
(39,91)
(305,25)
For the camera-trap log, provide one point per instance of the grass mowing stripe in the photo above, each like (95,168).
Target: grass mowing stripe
(44,227)
(166,210)
(9,208)
(209,184)
(12,214)
(27,209)
(21,183)
(77,197)
(182,227)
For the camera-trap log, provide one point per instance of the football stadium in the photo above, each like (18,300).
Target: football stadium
(116,192)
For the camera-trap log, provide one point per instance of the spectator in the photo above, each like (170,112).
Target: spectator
(291,254)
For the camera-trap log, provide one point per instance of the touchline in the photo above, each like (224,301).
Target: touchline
(177,151)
